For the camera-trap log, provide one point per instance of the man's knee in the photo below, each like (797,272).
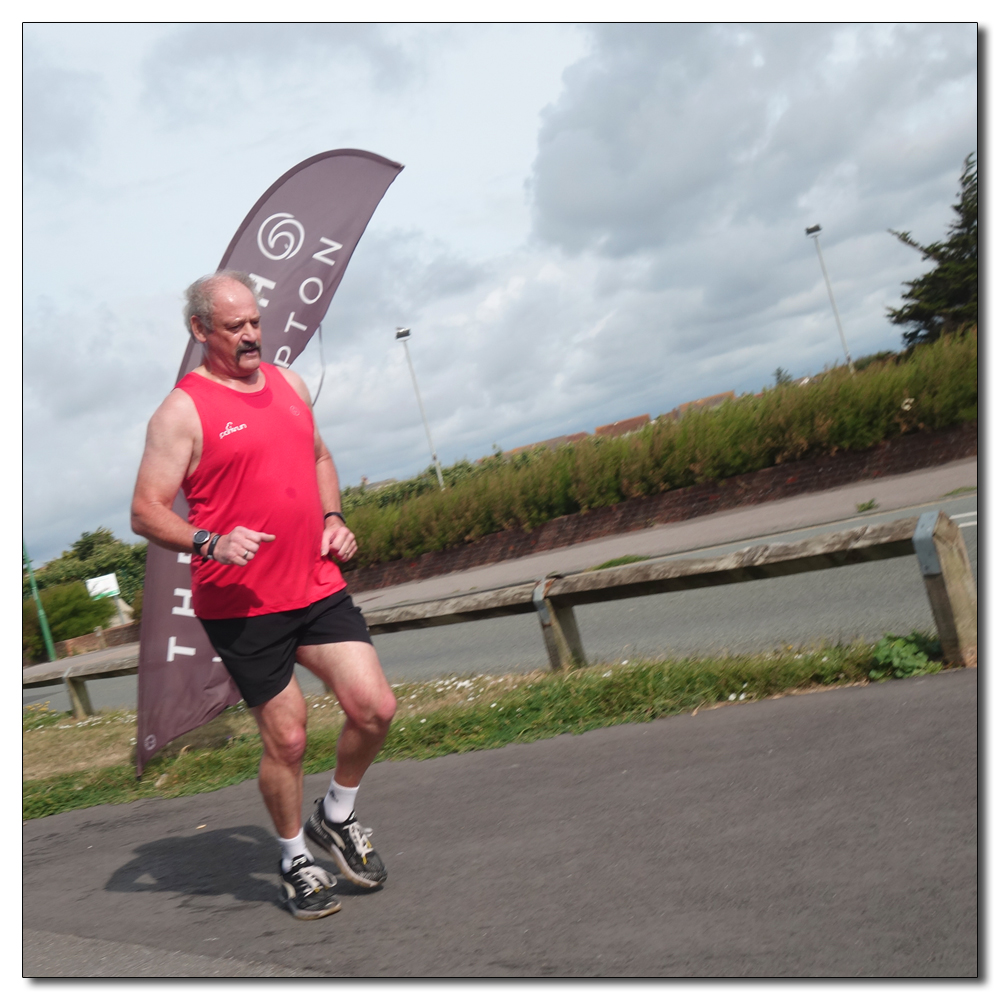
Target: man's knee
(387,709)
(287,745)
(375,712)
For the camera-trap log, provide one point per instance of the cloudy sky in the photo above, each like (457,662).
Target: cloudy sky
(593,222)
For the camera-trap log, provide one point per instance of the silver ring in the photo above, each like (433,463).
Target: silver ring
(246,553)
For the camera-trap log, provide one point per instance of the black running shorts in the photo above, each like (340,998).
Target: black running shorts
(259,652)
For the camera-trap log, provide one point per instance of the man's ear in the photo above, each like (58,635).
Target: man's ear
(198,330)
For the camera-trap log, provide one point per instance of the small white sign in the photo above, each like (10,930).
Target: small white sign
(103,586)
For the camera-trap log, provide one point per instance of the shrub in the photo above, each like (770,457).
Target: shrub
(70,611)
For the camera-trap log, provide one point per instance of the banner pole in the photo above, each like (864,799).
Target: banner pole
(42,620)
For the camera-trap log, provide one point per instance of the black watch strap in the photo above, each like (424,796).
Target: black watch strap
(201,536)
(336,513)
(210,554)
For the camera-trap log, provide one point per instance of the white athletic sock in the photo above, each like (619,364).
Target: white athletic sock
(338,803)
(293,848)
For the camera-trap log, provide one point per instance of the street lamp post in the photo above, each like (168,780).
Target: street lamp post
(814,232)
(42,620)
(403,334)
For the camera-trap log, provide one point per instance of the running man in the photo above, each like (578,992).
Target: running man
(265,526)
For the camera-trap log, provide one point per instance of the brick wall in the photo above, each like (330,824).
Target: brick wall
(905,454)
(119,635)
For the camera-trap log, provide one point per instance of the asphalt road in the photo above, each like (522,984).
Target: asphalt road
(837,605)
(831,834)
(864,601)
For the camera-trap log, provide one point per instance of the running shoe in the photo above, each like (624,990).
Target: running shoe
(309,889)
(348,844)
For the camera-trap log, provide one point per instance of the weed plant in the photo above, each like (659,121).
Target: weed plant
(904,656)
(933,386)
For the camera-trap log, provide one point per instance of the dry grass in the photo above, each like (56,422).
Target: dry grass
(55,743)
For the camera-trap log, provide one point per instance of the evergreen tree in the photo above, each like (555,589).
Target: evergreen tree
(946,298)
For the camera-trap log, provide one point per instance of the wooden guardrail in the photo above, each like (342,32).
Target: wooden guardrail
(933,537)
(74,671)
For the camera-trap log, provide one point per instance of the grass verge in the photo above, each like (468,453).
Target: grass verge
(619,561)
(453,715)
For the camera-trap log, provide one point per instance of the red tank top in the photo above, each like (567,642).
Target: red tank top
(257,469)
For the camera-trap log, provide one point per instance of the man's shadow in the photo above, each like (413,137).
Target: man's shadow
(239,861)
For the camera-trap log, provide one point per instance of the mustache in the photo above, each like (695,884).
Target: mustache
(247,348)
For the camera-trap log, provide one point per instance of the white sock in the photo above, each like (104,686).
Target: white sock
(338,803)
(293,848)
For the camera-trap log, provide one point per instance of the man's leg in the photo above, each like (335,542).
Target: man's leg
(352,671)
(282,725)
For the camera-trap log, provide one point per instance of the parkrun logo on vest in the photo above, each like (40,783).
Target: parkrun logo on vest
(230,429)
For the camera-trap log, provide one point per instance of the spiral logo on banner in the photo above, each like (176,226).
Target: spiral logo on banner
(287,230)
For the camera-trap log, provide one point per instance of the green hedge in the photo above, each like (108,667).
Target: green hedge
(930,387)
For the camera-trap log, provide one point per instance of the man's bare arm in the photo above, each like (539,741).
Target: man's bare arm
(338,539)
(170,444)
(173,435)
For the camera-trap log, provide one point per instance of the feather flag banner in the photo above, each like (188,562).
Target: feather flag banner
(295,244)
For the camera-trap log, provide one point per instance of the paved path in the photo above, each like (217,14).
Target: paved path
(829,834)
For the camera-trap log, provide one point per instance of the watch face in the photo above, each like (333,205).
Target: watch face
(201,536)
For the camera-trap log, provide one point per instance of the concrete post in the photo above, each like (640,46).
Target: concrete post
(79,697)
(559,630)
(951,588)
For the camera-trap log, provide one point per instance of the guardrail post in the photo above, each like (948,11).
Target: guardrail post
(559,630)
(79,697)
(951,588)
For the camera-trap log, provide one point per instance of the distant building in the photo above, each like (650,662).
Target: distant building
(622,427)
(706,403)
(365,485)
(550,443)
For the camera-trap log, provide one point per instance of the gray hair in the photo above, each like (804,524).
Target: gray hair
(198,299)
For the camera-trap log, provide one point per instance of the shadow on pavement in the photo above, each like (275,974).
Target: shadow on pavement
(239,861)
(214,863)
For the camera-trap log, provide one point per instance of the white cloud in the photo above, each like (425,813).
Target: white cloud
(592,223)
(201,73)
(65,106)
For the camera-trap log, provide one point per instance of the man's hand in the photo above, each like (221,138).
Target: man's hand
(338,540)
(238,547)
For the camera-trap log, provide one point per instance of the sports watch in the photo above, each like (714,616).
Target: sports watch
(200,537)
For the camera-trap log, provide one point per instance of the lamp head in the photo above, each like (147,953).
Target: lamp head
(813,230)
(402,332)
